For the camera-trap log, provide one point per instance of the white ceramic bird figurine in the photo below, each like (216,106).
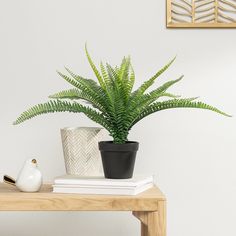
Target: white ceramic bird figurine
(29,179)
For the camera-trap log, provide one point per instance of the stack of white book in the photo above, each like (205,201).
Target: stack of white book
(100,185)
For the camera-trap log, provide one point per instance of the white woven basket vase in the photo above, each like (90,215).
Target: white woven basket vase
(81,153)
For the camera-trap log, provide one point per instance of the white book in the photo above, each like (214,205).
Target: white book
(94,182)
(105,190)
(94,186)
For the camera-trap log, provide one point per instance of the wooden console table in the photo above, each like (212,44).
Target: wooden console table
(149,207)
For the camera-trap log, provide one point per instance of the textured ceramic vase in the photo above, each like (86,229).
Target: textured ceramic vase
(81,153)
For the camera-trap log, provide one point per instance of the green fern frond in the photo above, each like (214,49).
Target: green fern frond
(154,95)
(75,94)
(92,90)
(169,95)
(94,68)
(62,106)
(146,99)
(164,87)
(124,75)
(150,82)
(69,80)
(67,94)
(85,84)
(130,82)
(102,99)
(124,69)
(105,76)
(161,71)
(177,103)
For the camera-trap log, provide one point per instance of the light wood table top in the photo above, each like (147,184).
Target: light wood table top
(148,207)
(12,199)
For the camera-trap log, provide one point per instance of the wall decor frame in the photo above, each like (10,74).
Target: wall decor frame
(201,13)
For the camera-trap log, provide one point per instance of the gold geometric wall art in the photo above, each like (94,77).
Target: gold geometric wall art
(201,13)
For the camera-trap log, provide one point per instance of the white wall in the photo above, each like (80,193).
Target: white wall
(192,152)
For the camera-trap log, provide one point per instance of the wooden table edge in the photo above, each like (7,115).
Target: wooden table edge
(13,200)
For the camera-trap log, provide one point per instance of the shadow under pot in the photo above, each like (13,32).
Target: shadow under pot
(118,159)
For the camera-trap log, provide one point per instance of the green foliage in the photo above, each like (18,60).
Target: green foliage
(111,102)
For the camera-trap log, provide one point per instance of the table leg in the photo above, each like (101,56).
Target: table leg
(153,223)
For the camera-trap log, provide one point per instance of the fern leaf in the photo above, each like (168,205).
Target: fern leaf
(165,86)
(75,94)
(93,90)
(62,106)
(124,69)
(124,75)
(131,81)
(150,82)
(104,100)
(69,80)
(94,68)
(87,84)
(170,95)
(162,70)
(105,76)
(146,99)
(177,103)
(67,94)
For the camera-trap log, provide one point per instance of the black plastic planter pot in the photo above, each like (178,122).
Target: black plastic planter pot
(118,159)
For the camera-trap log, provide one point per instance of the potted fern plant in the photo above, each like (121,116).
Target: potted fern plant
(113,104)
